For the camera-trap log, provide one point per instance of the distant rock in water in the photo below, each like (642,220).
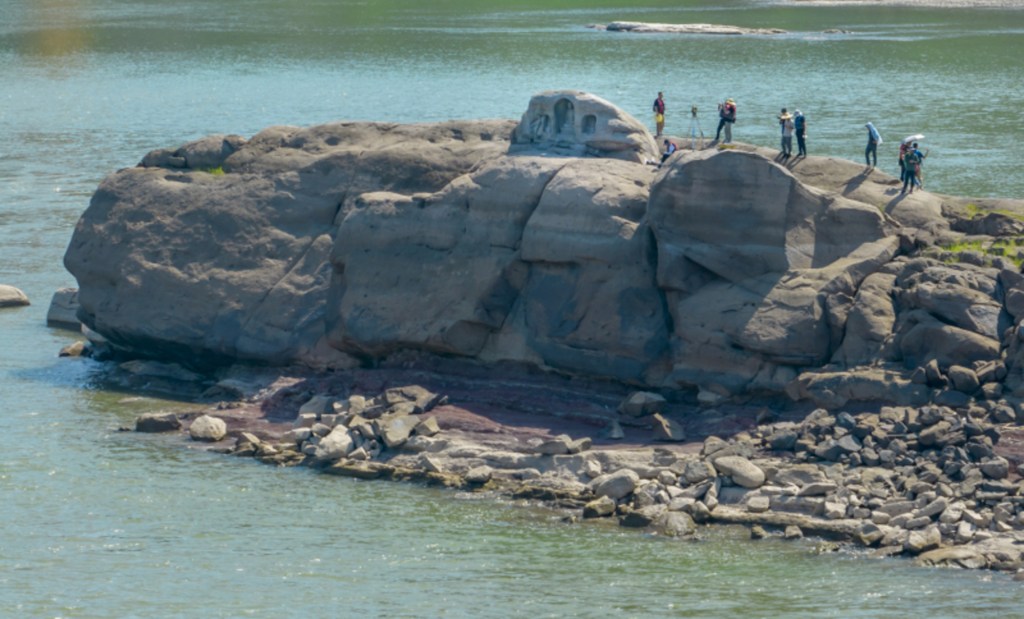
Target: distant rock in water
(550,242)
(649,28)
(12,297)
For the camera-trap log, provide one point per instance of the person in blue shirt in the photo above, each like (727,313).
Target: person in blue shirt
(911,163)
(871,152)
(800,126)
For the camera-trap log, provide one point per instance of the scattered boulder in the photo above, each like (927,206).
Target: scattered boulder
(640,403)
(394,431)
(74,349)
(742,471)
(12,297)
(615,485)
(336,445)
(643,517)
(559,445)
(208,428)
(666,429)
(922,541)
(600,507)
(676,524)
(158,422)
(427,427)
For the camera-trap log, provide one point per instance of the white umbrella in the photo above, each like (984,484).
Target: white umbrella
(917,137)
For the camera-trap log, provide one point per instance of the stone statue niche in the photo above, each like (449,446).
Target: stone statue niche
(564,121)
(603,130)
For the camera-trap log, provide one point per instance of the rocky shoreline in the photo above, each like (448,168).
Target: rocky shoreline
(936,483)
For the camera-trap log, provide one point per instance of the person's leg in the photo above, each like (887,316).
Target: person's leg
(801,145)
(721,123)
(867,154)
(728,132)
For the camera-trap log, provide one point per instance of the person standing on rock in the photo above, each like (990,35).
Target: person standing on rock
(918,172)
(659,114)
(911,161)
(800,127)
(786,123)
(726,117)
(871,152)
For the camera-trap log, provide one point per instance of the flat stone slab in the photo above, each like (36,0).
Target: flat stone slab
(648,28)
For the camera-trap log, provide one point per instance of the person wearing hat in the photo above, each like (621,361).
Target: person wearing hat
(786,123)
(800,127)
(726,116)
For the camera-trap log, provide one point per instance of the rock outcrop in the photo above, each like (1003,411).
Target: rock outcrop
(550,242)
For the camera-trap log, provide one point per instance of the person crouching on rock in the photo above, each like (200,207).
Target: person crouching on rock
(670,148)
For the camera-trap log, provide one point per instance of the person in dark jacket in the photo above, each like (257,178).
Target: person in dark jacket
(800,128)
(726,117)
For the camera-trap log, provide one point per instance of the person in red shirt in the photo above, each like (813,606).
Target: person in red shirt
(659,114)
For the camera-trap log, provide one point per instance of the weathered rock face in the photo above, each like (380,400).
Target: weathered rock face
(751,259)
(188,264)
(546,243)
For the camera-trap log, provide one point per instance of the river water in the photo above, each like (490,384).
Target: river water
(97,523)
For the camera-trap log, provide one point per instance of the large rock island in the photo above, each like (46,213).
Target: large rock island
(700,289)
(553,242)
